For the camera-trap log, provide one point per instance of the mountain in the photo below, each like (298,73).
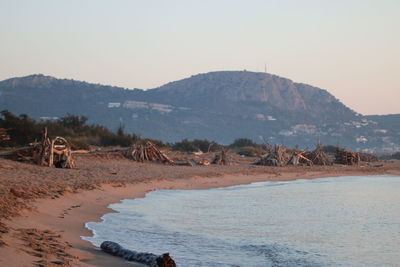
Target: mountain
(219,106)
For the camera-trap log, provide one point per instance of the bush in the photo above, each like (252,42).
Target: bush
(392,156)
(330,149)
(115,140)
(185,146)
(78,143)
(206,146)
(24,130)
(243,142)
(157,143)
(196,145)
(250,151)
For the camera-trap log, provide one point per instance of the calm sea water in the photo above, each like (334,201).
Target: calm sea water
(346,221)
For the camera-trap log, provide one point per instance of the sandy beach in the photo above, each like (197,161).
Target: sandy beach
(43,210)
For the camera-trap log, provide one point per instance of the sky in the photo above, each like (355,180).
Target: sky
(349,47)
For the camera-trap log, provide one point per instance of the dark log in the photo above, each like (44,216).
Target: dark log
(149,259)
(11,152)
(101,151)
(184,163)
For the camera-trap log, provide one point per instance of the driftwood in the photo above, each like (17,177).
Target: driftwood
(15,151)
(298,158)
(277,156)
(366,157)
(148,152)
(203,162)
(117,149)
(149,259)
(185,163)
(55,153)
(51,153)
(318,156)
(347,157)
(221,158)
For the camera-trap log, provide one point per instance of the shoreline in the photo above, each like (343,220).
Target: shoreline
(68,214)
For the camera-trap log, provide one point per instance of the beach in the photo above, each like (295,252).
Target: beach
(44,210)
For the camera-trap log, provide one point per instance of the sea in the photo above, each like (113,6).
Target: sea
(342,221)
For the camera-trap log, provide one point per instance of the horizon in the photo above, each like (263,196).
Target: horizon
(349,48)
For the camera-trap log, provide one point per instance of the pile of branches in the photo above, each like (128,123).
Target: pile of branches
(147,152)
(221,159)
(3,135)
(318,156)
(299,158)
(276,156)
(347,157)
(51,153)
(366,157)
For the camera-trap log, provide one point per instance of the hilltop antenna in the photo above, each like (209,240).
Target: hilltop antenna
(265,89)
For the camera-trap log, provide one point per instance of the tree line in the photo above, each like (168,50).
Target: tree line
(24,130)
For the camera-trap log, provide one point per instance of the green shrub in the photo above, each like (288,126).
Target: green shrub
(185,146)
(24,130)
(196,145)
(243,142)
(250,151)
(78,143)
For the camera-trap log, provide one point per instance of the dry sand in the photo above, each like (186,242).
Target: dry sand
(43,210)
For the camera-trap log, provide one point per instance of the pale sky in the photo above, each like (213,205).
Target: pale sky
(349,47)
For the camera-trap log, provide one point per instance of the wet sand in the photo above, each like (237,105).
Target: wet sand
(44,209)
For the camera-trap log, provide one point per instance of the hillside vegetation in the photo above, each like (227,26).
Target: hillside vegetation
(221,106)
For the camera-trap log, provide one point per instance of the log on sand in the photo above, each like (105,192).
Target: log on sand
(149,259)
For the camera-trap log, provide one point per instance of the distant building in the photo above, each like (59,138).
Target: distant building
(135,104)
(114,105)
(260,117)
(163,108)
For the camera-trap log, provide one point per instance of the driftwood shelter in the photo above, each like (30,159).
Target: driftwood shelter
(299,158)
(276,156)
(318,156)
(147,152)
(221,158)
(54,152)
(347,157)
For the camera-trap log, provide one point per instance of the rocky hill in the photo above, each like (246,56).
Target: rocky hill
(220,106)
